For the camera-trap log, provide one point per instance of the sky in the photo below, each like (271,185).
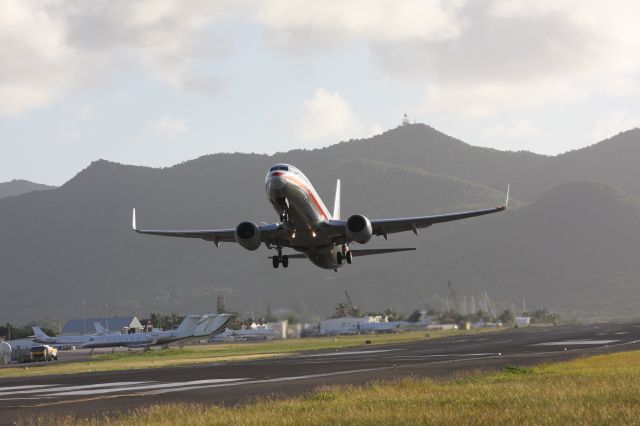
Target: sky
(158,82)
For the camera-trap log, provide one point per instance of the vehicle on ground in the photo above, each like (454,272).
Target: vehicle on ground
(44,353)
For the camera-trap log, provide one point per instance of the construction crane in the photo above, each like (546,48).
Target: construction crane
(353,309)
(454,297)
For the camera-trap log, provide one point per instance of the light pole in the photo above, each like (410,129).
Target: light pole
(106,316)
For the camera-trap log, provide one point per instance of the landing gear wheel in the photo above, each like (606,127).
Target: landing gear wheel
(285,261)
(339,258)
(349,257)
(276,261)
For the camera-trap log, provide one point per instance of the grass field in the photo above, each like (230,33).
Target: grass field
(220,352)
(597,390)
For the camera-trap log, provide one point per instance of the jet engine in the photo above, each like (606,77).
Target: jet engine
(248,235)
(359,229)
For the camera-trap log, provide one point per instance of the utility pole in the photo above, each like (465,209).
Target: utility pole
(84,320)
(106,316)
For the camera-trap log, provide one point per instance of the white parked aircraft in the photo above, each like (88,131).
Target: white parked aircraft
(307,227)
(192,327)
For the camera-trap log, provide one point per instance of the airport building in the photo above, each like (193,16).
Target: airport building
(125,325)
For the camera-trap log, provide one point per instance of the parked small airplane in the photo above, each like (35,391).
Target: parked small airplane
(307,226)
(245,334)
(192,327)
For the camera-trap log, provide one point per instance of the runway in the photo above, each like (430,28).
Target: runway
(91,394)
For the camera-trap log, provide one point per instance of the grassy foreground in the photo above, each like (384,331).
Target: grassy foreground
(221,352)
(602,389)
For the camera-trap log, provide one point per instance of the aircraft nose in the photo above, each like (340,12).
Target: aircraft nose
(276,180)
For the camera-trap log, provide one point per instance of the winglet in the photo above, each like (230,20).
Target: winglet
(506,202)
(336,203)
(133,220)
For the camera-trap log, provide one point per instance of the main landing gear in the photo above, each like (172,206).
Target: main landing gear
(280,259)
(343,255)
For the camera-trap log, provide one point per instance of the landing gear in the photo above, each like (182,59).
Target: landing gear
(344,254)
(284,218)
(277,260)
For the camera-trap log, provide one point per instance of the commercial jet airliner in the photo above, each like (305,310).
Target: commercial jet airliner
(307,227)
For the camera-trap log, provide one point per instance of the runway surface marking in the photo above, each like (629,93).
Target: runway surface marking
(349,353)
(8,388)
(576,342)
(147,387)
(441,355)
(60,388)
(274,380)
(104,388)
(154,388)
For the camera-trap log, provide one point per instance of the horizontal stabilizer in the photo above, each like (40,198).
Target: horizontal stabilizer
(368,252)
(355,253)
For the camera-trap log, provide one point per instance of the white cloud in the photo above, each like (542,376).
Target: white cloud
(613,123)
(516,129)
(327,118)
(52,46)
(477,57)
(295,24)
(167,126)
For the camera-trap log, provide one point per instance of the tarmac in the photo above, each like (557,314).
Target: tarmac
(106,393)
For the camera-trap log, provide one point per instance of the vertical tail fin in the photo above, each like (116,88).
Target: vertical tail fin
(188,326)
(100,330)
(336,203)
(39,334)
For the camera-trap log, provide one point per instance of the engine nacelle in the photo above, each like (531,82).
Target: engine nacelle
(359,229)
(248,235)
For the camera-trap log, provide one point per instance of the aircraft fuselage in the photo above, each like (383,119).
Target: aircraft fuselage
(295,200)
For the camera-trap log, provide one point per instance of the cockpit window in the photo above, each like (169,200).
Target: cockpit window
(274,168)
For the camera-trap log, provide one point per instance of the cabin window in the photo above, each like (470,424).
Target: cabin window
(274,168)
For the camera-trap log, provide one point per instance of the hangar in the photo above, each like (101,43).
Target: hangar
(125,325)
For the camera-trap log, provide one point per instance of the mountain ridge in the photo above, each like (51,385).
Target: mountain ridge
(76,240)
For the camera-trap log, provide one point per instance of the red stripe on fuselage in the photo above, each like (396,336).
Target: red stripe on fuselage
(311,193)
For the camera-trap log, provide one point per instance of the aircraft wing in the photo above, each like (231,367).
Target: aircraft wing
(389,226)
(270,233)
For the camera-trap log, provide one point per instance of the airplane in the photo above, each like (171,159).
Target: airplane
(307,226)
(40,336)
(193,326)
(245,334)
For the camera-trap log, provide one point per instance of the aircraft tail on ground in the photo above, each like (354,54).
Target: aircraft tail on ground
(39,334)
(188,325)
(212,324)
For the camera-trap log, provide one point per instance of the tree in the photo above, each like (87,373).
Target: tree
(269,317)
(542,316)
(507,316)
